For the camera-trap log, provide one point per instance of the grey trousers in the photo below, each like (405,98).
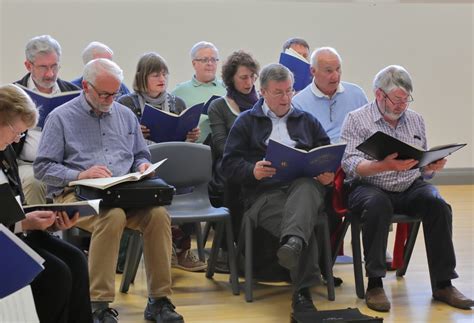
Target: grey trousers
(292,211)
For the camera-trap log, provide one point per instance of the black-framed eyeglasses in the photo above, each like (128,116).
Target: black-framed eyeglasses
(18,135)
(105,95)
(400,102)
(206,60)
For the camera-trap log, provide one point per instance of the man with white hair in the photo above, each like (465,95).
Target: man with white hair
(327,97)
(43,55)
(82,139)
(204,83)
(96,50)
(378,189)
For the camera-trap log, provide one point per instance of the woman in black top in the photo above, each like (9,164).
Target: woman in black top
(61,290)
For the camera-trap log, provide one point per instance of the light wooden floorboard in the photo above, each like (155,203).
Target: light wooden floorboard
(200,299)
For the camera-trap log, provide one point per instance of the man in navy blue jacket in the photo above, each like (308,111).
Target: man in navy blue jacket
(288,210)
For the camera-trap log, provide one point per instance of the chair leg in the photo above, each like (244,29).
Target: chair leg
(340,239)
(205,234)
(240,243)
(357,257)
(415,226)
(432,280)
(248,260)
(199,242)
(211,262)
(133,256)
(327,259)
(137,260)
(234,276)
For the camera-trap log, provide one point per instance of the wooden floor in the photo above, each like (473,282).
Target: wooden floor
(200,299)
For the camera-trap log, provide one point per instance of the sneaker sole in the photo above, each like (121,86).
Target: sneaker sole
(193,269)
(287,257)
(150,317)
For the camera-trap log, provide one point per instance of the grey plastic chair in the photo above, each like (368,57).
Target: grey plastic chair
(354,221)
(188,165)
(245,248)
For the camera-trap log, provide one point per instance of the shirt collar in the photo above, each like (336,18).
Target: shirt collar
(269,113)
(319,94)
(32,86)
(196,83)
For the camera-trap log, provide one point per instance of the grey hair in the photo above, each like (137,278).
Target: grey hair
(295,41)
(275,72)
(15,103)
(323,50)
(93,49)
(202,45)
(101,65)
(391,77)
(44,44)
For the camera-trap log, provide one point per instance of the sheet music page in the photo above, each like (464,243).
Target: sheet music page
(19,307)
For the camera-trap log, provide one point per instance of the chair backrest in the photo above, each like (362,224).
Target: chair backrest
(188,164)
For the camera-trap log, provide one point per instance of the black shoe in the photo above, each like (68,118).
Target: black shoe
(302,301)
(105,315)
(289,254)
(162,311)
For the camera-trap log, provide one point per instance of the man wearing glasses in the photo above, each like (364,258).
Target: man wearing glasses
(327,98)
(204,83)
(43,54)
(92,136)
(286,209)
(380,188)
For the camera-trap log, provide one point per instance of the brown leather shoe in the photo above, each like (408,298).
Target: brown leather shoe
(377,300)
(452,296)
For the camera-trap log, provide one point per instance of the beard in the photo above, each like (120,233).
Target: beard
(389,114)
(97,105)
(103,107)
(392,115)
(45,83)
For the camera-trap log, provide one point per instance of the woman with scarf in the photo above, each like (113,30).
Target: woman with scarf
(150,84)
(239,73)
(61,290)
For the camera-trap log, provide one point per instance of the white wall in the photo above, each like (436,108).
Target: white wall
(433,40)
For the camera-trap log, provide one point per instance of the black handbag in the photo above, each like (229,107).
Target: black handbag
(332,316)
(137,194)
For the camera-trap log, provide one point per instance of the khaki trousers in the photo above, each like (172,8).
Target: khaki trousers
(107,227)
(33,189)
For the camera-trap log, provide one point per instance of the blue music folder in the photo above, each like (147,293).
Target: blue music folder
(19,263)
(47,103)
(300,69)
(291,163)
(166,126)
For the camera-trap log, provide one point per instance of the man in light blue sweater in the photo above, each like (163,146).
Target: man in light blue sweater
(327,98)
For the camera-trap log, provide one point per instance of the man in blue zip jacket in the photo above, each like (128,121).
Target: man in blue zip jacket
(286,209)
